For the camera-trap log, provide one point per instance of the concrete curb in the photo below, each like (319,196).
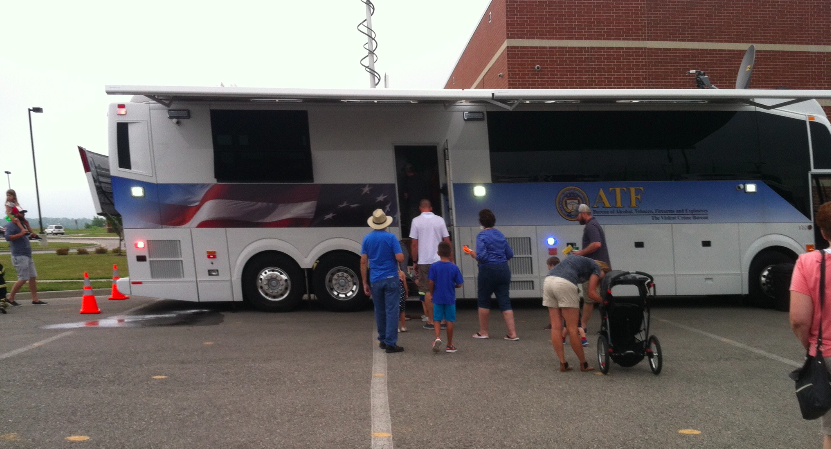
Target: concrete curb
(63,294)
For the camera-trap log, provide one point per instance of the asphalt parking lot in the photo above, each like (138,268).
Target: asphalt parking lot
(148,373)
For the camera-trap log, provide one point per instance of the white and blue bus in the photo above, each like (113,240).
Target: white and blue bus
(262,195)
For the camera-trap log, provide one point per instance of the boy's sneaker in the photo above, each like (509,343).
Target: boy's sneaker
(584,341)
(450,348)
(424,318)
(429,326)
(437,345)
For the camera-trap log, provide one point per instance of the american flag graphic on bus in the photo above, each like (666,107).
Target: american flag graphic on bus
(271,205)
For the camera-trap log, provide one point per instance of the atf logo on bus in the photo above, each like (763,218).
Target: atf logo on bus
(567,201)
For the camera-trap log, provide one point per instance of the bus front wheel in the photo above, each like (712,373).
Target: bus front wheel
(273,282)
(337,282)
(761,289)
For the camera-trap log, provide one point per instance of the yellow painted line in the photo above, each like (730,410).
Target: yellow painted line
(10,437)
(381,434)
(77,438)
(725,340)
(159,377)
(378,375)
(208,343)
(689,432)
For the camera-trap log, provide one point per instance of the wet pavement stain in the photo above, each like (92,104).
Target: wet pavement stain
(180,318)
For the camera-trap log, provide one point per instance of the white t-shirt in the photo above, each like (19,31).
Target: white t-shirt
(429,229)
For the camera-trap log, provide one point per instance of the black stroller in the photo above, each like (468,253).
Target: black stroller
(624,332)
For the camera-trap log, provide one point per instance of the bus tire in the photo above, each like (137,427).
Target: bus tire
(337,282)
(273,282)
(760,288)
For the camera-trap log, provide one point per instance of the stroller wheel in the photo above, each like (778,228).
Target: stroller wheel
(603,354)
(653,352)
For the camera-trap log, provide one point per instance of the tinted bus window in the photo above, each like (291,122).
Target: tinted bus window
(786,161)
(122,137)
(261,146)
(621,146)
(821,145)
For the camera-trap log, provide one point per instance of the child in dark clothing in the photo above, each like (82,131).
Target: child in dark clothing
(444,278)
(3,301)
(402,301)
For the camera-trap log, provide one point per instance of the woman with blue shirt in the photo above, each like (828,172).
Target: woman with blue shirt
(492,253)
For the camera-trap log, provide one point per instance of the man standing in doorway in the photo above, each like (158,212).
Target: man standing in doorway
(594,247)
(381,253)
(427,230)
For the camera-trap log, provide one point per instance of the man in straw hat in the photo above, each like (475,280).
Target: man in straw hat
(381,253)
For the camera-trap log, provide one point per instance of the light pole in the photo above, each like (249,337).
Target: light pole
(32,137)
(9,178)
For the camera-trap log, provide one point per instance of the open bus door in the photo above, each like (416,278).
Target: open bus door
(97,169)
(418,172)
(820,194)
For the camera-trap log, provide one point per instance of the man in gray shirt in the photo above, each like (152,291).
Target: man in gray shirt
(594,247)
(21,250)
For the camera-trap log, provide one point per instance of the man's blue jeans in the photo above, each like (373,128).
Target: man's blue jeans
(385,296)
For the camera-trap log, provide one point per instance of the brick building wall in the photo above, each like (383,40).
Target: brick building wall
(647,44)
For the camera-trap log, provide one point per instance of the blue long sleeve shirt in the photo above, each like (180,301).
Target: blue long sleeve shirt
(492,247)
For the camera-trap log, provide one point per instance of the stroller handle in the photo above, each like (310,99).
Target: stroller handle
(629,277)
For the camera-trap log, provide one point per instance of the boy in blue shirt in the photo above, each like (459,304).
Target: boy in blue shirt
(444,278)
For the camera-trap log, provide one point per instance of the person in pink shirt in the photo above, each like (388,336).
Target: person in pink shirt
(805,305)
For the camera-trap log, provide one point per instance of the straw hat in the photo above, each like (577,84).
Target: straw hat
(379,220)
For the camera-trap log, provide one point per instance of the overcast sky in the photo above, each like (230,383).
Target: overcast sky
(59,55)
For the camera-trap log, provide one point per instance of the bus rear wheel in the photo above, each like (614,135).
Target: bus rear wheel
(762,292)
(337,282)
(273,282)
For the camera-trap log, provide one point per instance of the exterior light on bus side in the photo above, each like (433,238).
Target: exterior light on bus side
(211,254)
(122,109)
(750,188)
(551,241)
(137,192)
(140,244)
(479,191)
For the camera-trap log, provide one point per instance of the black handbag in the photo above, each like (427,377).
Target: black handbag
(813,386)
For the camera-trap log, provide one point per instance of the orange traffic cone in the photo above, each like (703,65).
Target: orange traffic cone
(116,294)
(89,305)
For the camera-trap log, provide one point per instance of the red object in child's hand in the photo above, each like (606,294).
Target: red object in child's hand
(466,249)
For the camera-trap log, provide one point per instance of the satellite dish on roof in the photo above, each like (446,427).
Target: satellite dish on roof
(746,69)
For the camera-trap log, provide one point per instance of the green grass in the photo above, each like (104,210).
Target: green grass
(69,267)
(91,232)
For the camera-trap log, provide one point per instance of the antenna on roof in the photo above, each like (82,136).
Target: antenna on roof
(368,61)
(746,69)
(702,81)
